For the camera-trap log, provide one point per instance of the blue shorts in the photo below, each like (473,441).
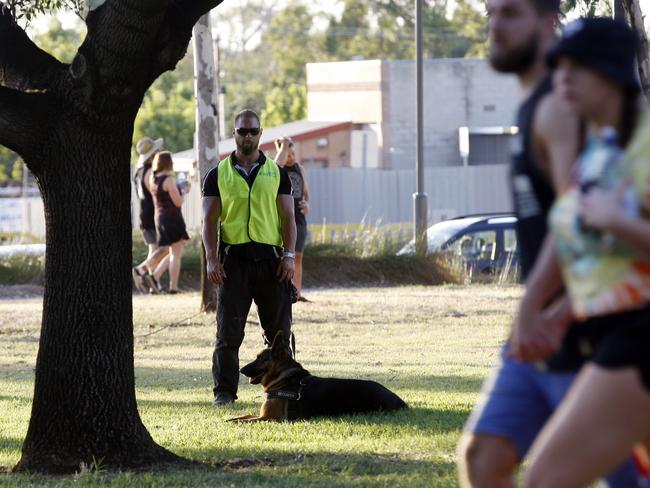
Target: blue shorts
(517,400)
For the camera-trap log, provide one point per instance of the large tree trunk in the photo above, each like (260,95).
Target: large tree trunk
(73,126)
(84,408)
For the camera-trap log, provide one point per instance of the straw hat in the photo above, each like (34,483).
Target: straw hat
(147,147)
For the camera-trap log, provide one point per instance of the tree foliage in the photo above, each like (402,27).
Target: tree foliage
(61,42)
(285,104)
(168,108)
(7,160)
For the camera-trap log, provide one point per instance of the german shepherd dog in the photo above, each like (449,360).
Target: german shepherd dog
(292,393)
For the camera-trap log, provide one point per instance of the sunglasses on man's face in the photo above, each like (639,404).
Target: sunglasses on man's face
(243,131)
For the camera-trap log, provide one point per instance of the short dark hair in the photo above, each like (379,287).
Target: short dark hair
(546,6)
(247,113)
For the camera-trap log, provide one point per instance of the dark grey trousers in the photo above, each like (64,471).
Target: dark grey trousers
(247,281)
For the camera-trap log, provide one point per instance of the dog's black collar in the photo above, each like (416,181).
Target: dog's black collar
(284,394)
(294,392)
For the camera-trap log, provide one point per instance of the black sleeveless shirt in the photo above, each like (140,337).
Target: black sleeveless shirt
(533,196)
(146,200)
(532,191)
(164,205)
(297,191)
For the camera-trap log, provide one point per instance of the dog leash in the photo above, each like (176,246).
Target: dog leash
(169,325)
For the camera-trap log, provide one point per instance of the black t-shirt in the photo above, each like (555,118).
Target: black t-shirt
(146,201)
(298,188)
(211,181)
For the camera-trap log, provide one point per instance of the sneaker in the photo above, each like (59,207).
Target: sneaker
(222,399)
(152,284)
(303,299)
(138,280)
(173,292)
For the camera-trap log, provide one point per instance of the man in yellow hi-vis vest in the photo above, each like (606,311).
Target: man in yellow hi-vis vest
(249,195)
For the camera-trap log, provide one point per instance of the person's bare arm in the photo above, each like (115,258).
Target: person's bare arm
(556,132)
(282,152)
(557,143)
(170,187)
(535,334)
(557,136)
(604,210)
(211,212)
(146,179)
(288,222)
(304,204)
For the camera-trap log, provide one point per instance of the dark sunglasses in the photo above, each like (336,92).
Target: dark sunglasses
(242,131)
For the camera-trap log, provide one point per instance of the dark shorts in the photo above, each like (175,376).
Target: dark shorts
(171,229)
(150,236)
(627,344)
(301,237)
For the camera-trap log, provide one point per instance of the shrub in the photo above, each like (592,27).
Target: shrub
(19,269)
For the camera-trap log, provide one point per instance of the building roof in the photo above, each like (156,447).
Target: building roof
(300,130)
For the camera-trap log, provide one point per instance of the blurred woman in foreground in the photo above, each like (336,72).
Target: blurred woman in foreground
(601,227)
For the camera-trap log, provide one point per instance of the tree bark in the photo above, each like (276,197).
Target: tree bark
(633,10)
(207,128)
(84,409)
(75,136)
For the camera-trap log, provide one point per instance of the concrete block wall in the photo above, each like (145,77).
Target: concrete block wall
(457,93)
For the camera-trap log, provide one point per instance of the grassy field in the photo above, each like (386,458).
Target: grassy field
(431,345)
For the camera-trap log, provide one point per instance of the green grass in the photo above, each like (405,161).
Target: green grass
(431,345)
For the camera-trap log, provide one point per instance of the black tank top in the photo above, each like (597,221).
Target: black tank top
(162,200)
(533,196)
(532,192)
(146,200)
(297,190)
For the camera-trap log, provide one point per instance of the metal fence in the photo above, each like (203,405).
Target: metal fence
(355,195)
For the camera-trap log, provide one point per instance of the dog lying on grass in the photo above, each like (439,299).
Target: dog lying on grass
(292,393)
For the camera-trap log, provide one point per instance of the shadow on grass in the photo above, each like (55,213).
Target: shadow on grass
(355,464)
(10,443)
(270,469)
(426,420)
(170,380)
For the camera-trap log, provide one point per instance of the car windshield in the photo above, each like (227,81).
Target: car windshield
(440,233)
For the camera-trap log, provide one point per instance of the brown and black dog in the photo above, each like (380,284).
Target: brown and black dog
(292,393)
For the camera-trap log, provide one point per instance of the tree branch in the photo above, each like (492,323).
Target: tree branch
(635,15)
(176,33)
(23,65)
(21,120)
(117,53)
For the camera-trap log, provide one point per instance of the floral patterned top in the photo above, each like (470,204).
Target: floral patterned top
(604,275)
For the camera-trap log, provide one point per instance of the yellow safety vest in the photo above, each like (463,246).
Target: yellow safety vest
(249,214)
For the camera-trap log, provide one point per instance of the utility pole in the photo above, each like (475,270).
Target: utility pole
(419,197)
(221,93)
(207,127)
